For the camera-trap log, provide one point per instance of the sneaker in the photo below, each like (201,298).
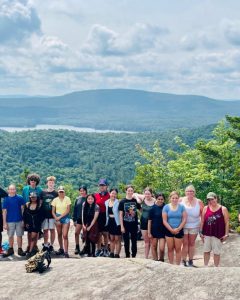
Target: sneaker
(50,248)
(111,255)
(60,252)
(9,252)
(117,256)
(105,253)
(77,250)
(1,251)
(190,263)
(184,263)
(27,250)
(99,252)
(21,252)
(66,255)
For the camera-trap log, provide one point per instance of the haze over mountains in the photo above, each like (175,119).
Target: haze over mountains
(117,109)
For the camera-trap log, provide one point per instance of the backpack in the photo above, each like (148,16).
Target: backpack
(36,262)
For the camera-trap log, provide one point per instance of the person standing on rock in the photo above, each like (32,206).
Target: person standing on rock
(113,223)
(2,195)
(101,197)
(90,214)
(129,220)
(156,229)
(147,202)
(174,218)
(214,229)
(77,215)
(60,211)
(48,225)
(13,206)
(33,181)
(194,208)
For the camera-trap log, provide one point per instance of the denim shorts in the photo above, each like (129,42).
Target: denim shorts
(64,220)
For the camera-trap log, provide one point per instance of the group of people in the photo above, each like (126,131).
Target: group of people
(103,221)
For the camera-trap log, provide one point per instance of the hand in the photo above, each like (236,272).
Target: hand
(88,228)
(177,230)
(174,231)
(122,229)
(57,219)
(149,235)
(84,227)
(5,226)
(202,237)
(223,239)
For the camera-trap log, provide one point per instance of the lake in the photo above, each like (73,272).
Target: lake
(58,127)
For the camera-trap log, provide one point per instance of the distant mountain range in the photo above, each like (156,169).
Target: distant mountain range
(117,109)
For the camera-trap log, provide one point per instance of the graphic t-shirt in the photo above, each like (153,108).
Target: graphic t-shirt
(13,206)
(129,208)
(47,198)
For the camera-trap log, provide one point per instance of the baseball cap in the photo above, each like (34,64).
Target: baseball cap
(61,188)
(103,181)
(211,195)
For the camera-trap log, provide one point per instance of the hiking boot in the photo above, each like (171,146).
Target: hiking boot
(9,252)
(184,263)
(190,263)
(111,255)
(21,252)
(60,252)
(66,255)
(105,253)
(77,250)
(117,256)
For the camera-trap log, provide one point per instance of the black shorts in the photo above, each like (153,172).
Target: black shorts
(144,224)
(113,228)
(177,236)
(79,221)
(102,222)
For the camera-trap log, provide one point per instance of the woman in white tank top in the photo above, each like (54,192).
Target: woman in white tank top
(193,208)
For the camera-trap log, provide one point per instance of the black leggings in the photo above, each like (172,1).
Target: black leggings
(90,247)
(130,233)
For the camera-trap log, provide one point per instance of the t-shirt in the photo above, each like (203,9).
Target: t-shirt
(61,205)
(174,217)
(28,189)
(47,198)
(155,215)
(129,208)
(101,198)
(13,206)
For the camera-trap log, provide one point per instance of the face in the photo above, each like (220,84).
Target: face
(212,201)
(82,192)
(33,183)
(51,184)
(12,190)
(33,199)
(102,188)
(113,195)
(174,199)
(148,195)
(160,200)
(129,192)
(61,194)
(90,199)
(190,193)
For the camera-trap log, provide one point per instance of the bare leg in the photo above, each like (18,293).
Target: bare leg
(147,242)
(178,249)
(170,245)
(65,229)
(117,244)
(33,243)
(59,232)
(77,233)
(105,238)
(216,259)
(45,236)
(206,257)
(185,247)
(11,241)
(112,243)
(161,249)
(99,241)
(52,236)
(191,245)
(154,248)
(19,241)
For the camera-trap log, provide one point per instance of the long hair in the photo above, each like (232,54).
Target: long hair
(89,211)
(38,202)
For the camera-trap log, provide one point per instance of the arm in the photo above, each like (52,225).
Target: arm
(165,222)
(202,222)
(54,213)
(239,217)
(149,228)
(121,221)
(96,214)
(201,207)
(75,213)
(226,220)
(138,197)
(184,220)
(67,211)
(4,214)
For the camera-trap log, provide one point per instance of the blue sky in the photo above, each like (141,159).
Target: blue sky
(59,46)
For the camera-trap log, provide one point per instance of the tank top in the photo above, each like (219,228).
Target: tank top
(110,210)
(193,215)
(145,211)
(214,224)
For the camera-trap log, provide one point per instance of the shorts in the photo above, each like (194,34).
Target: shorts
(113,228)
(177,236)
(143,224)
(48,224)
(102,222)
(15,227)
(79,221)
(211,243)
(191,230)
(64,220)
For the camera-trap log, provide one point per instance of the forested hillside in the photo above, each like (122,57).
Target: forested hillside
(129,110)
(76,158)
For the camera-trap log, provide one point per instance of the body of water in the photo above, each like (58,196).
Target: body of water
(58,127)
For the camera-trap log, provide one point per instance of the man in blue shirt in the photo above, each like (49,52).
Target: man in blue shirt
(13,206)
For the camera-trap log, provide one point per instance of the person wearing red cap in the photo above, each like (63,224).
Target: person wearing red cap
(101,197)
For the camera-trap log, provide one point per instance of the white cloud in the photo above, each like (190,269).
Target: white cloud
(232,31)
(18,20)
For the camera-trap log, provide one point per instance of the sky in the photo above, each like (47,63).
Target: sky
(54,47)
